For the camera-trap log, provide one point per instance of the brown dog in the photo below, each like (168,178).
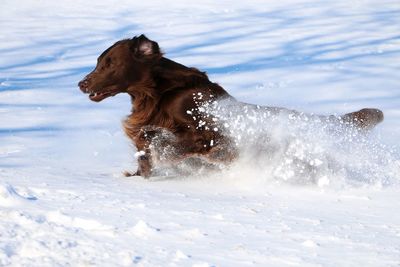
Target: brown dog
(167,98)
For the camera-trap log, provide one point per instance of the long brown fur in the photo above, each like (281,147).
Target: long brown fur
(162,93)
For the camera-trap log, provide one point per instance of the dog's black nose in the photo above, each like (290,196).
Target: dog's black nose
(83,85)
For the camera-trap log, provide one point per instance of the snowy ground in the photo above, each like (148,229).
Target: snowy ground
(63,201)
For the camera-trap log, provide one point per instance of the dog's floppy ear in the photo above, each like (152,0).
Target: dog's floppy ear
(142,46)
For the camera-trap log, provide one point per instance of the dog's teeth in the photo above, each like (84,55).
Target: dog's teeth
(95,94)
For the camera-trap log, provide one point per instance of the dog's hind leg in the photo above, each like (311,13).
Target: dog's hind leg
(224,152)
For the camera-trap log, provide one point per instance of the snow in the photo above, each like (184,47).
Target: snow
(65,202)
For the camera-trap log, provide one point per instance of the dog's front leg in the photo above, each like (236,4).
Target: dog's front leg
(143,141)
(144,165)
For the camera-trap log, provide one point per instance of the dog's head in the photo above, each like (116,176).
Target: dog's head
(120,67)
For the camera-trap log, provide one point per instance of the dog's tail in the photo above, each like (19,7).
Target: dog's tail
(364,119)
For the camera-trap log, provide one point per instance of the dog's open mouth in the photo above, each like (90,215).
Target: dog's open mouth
(97,97)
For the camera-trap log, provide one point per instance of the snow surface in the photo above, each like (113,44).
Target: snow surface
(64,202)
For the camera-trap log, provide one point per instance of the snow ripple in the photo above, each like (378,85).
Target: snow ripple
(9,196)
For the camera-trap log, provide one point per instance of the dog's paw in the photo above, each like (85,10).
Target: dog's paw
(130,174)
(138,173)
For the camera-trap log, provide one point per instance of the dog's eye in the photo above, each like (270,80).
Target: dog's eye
(108,62)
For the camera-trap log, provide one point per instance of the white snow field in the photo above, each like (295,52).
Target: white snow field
(64,201)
